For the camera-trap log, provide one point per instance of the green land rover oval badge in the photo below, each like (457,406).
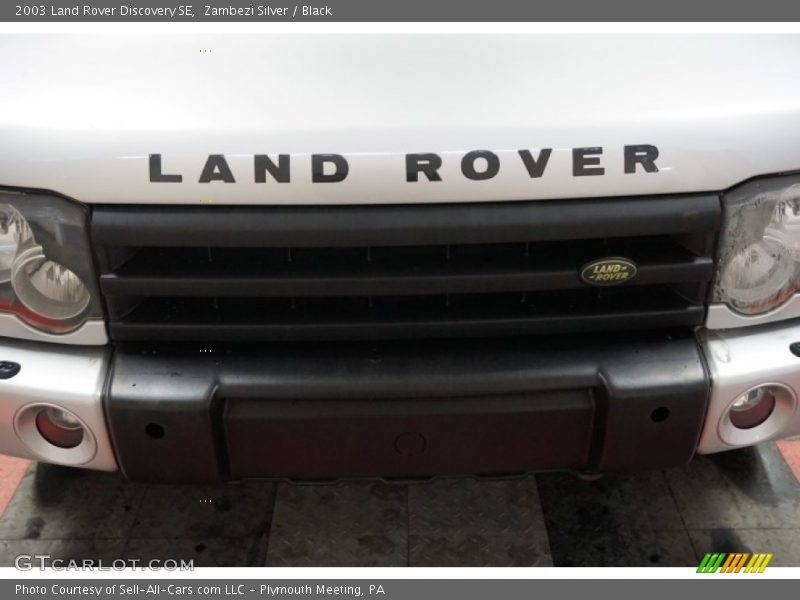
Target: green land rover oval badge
(608,271)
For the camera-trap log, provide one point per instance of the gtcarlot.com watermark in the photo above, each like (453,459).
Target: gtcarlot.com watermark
(29,562)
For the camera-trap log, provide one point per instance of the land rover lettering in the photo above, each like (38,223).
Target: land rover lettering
(216,169)
(535,166)
(328,168)
(426,163)
(474,165)
(471,159)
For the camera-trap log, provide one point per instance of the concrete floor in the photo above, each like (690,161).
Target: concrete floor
(741,501)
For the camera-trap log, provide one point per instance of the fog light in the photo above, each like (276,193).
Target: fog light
(59,427)
(753,408)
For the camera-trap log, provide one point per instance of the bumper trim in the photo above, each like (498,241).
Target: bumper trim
(91,333)
(720,316)
(740,360)
(340,410)
(69,377)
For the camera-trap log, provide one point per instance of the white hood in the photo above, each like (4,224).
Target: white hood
(80,115)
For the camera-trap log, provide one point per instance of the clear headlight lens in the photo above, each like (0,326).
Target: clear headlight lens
(14,232)
(46,274)
(47,287)
(760,251)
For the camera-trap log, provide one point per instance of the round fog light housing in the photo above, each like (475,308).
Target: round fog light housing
(757,415)
(55,434)
(753,408)
(59,427)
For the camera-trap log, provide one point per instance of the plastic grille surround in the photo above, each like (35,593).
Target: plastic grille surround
(401,271)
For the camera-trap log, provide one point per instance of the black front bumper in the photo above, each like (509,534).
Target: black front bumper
(405,410)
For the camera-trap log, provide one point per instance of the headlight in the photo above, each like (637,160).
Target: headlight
(46,287)
(46,276)
(14,232)
(760,245)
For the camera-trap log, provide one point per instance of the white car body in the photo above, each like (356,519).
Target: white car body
(80,116)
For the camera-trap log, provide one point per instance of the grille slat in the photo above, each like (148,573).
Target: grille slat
(402,225)
(261,273)
(335,319)
(485,278)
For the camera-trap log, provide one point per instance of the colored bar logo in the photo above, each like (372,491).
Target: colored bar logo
(737,562)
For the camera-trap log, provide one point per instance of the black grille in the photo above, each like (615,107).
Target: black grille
(379,272)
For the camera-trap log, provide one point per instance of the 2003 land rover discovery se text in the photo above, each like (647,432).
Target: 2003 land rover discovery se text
(321,257)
